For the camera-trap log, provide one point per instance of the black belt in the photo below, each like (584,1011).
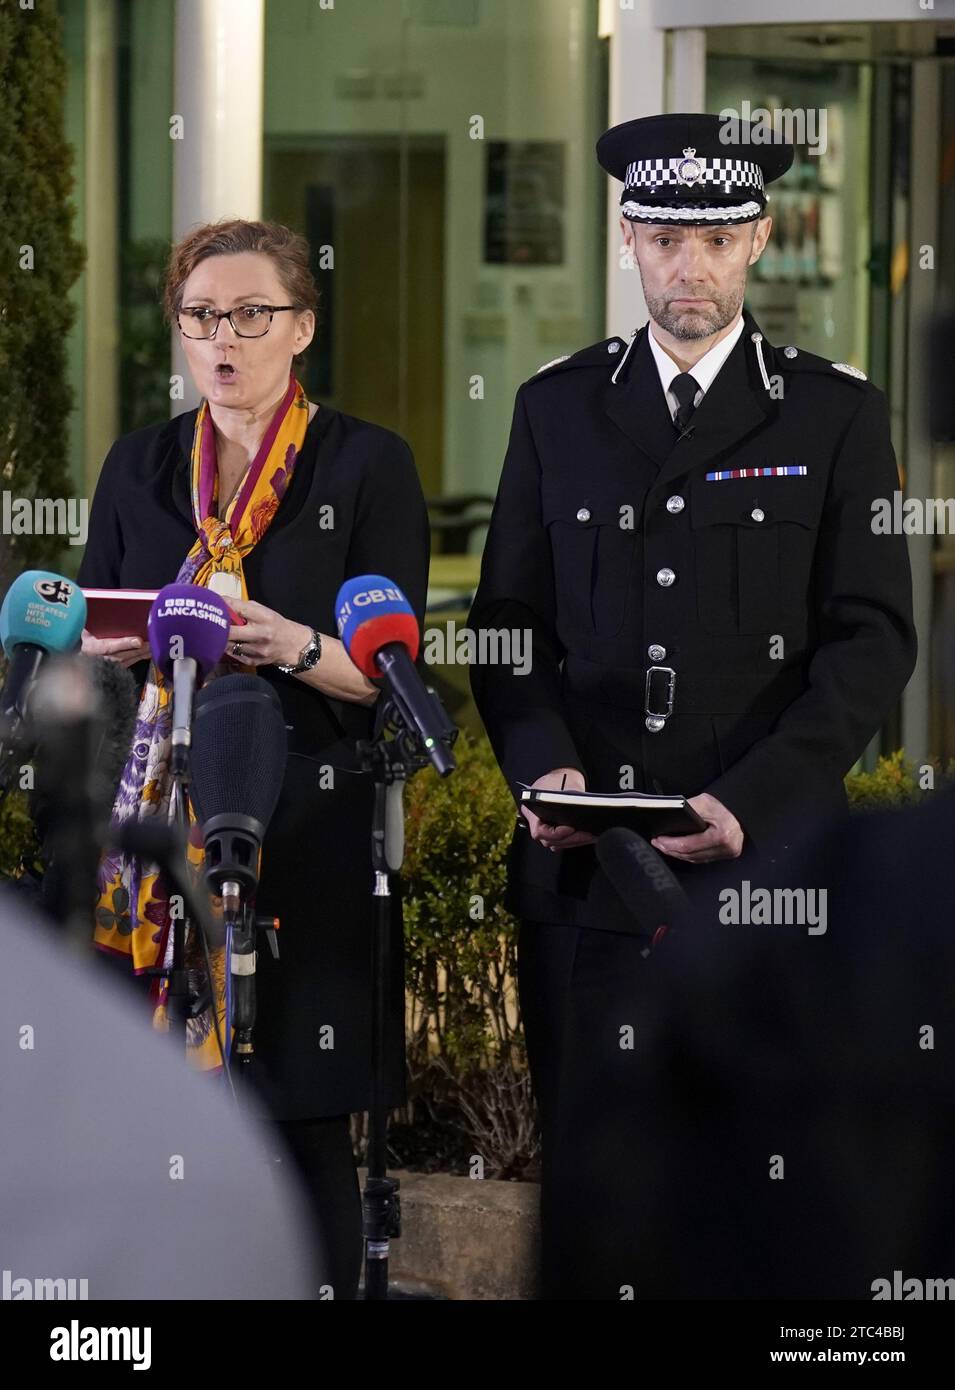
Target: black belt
(664,690)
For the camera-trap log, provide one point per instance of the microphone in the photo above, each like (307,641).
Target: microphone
(238,766)
(379,631)
(188,629)
(117,693)
(42,613)
(83,716)
(648,889)
(104,691)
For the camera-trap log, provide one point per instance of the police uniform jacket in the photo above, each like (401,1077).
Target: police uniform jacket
(781,621)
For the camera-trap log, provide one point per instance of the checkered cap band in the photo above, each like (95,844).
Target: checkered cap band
(728,174)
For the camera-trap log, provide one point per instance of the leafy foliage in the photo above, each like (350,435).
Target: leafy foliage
(36,180)
(18,843)
(460,940)
(469,1086)
(893,782)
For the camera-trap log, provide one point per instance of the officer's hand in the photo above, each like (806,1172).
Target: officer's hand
(722,838)
(558,836)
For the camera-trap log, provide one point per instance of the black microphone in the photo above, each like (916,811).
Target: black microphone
(84,717)
(648,889)
(239,751)
(117,693)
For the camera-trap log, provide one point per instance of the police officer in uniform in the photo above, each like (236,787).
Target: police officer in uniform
(683,524)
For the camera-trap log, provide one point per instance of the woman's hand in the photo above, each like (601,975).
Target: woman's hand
(126,650)
(267,639)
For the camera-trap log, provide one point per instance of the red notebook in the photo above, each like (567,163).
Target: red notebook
(125,612)
(119,612)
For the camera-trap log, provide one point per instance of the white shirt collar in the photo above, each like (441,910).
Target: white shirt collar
(703,371)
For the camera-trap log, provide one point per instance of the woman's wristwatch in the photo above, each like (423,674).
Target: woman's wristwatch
(309,656)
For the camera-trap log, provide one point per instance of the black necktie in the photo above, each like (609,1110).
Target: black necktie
(684,387)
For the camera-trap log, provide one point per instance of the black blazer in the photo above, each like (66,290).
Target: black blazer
(786,619)
(316,860)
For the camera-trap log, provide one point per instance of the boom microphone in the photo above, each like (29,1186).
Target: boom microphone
(379,630)
(647,887)
(83,717)
(188,630)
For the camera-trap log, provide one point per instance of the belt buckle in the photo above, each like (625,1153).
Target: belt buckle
(671,685)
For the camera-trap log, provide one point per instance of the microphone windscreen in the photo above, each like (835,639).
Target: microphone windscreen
(187,620)
(371,612)
(118,697)
(44,609)
(647,887)
(239,749)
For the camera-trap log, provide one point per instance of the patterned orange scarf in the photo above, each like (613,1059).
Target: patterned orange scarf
(133,910)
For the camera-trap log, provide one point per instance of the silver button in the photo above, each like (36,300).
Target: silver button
(758,514)
(665,577)
(675,504)
(583,514)
(656,652)
(613,347)
(790,352)
(654,723)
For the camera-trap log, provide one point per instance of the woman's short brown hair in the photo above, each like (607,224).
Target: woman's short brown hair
(287,250)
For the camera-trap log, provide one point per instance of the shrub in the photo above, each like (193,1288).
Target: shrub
(36,179)
(468,1082)
(892,782)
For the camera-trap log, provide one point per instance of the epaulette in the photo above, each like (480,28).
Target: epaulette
(597,355)
(797,359)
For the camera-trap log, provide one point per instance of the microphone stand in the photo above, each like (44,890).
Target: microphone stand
(391,761)
(243,925)
(184,998)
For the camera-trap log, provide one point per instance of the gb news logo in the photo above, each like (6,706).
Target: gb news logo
(368,598)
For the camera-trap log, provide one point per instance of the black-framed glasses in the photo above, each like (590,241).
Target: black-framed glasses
(247,320)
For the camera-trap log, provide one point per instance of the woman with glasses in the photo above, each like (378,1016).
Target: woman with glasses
(272,500)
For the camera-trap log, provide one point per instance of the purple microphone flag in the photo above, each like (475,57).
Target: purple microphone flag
(187,620)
